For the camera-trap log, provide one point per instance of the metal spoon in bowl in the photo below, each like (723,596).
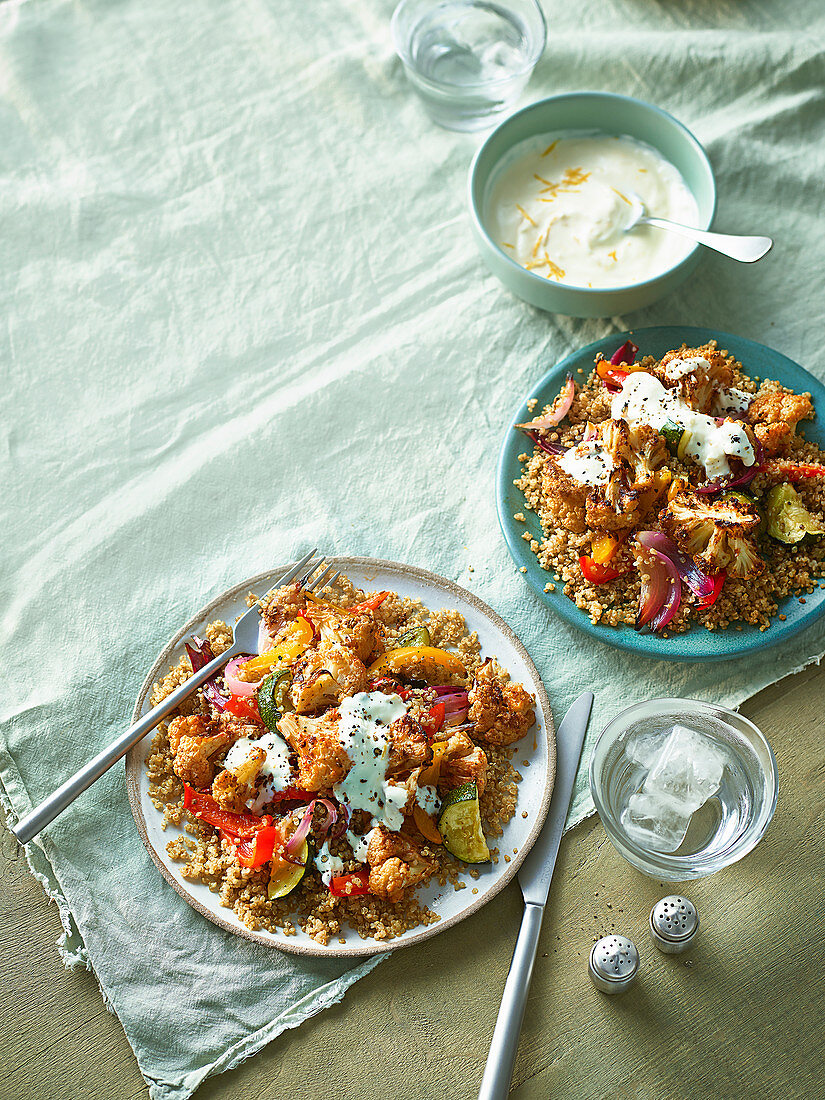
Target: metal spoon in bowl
(745,249)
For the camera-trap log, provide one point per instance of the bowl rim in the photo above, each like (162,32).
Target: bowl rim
(538,280)
(663,863)
(530,64)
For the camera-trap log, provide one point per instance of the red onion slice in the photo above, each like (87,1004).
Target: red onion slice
(301,833)
(542,444)
(559,411)
(625,354)
(233,684)
(700,584)
(200,653)
(265,643)
(661,590)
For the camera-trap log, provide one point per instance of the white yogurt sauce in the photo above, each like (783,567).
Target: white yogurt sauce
(681,368)
(588,463)
(276,769)
(359,844)
(365,718)
(328,864)
(559,207)
(730,399)
(644,400)
(427,798)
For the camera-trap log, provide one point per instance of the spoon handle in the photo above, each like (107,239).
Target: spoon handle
(745,249)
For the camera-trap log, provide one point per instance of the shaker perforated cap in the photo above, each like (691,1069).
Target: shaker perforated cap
(673,924)
(614,964)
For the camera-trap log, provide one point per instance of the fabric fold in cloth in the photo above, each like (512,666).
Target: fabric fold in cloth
(242,316)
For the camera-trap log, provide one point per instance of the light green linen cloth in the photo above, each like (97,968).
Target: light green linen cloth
(243,315)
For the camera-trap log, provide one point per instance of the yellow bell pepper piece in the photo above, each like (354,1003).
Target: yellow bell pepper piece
(426,826)
(676,487)
(421,656)
(293,646)
(603,548)
(430,775)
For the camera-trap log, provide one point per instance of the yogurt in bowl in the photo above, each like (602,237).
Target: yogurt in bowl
(584,180)
(559,205)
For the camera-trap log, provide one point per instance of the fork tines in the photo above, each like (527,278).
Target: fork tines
(323,579)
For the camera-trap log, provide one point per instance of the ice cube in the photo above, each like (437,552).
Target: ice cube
(655,821)
(643,748)
(685,771)
(689,768)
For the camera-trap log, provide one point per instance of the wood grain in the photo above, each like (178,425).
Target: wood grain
(740,1016)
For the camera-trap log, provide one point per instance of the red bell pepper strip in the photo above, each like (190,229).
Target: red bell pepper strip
(244,706)
(385,683)
(353,885)
(718,582)
(435,719)
(296,794)
(792,471)
(256,850)
(598,574)
(204,806)
(372,604)
(613,377)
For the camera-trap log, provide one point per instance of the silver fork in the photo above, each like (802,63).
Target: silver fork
(245,640)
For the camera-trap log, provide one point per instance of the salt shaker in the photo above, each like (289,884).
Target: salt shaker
(673,924)
(613,964)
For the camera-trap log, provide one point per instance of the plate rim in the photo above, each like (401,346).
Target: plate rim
(639,644)
(133,765)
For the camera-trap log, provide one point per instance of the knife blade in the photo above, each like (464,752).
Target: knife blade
(536,873)
(534,877)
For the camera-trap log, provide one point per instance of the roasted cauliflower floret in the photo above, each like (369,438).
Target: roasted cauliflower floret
(648,451)
(462,762)
(357,631)
(345,675)
(718,534)
(695,383)
(774,414)
(500,710)
(281,608)
(396,862)
(602,516)
(322,760)
(408,746)
(193,745)
(563,497)
(637,454)
(229,793)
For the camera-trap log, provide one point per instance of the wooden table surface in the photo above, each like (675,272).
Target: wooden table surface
(742,1015)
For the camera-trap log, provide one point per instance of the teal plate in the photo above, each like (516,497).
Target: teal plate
(698,644)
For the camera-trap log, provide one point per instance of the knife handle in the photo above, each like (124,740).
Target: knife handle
(498,1072)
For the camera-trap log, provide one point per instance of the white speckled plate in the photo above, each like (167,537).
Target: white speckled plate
(534,791)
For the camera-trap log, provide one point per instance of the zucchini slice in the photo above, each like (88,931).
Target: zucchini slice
(286,876)
(271,697)
(418,636)
(673,433)
(460,825)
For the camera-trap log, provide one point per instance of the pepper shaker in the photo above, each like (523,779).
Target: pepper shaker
(673,924)
(613,964)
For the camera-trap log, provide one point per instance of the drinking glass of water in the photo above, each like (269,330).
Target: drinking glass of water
(468,60)
(683,788)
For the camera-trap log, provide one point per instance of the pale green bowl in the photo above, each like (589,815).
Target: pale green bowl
(611,114)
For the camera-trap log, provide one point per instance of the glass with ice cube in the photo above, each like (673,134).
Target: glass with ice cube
(683,788)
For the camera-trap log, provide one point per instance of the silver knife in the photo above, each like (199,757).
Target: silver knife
(534,878)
